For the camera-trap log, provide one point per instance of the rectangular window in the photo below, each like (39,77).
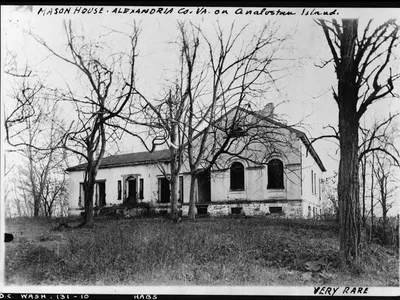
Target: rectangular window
(312,182)
(159,189)
(81,200)
(236,210)
(141,182)
(319,189)
(309,211)
(275,210)
(96,186)
(180,200)
(202,210)
(315,183)
(119,189)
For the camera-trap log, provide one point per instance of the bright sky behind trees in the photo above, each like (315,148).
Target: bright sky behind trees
(304,90)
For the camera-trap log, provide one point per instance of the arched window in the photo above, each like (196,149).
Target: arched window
(237,176)
(275,174)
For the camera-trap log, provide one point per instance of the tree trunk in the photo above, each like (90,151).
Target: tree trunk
(36,206)
(174,197)
(372,197)
(174,161)
(35,191)
(193,197)
(384,210)
(89,192)
(92,167)
(363,175)
(348,192)
(384,215)
(348,185)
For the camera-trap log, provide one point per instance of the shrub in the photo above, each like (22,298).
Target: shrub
(385,235)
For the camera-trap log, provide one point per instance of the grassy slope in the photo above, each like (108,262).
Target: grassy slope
(237,251)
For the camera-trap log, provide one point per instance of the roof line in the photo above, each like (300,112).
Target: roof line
(81,167)
(299,133)
(146,162)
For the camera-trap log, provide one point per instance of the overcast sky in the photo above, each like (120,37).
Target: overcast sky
(307,88)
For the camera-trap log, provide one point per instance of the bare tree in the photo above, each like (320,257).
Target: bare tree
(387,185)
(18,203)
(378,138)
(31,129)
(55,194)
(42,156)
(164,120)
(101,109)
(201,98)
(219,77)
(22,106)
(384,163)
(42,163)
(362,65)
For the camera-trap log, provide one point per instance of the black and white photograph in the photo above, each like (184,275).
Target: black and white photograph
(190,150)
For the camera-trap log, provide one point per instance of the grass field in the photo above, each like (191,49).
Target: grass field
(226,251)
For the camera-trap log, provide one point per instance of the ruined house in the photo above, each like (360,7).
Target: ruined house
(278,173)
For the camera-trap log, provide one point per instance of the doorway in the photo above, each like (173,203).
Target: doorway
(204,187)
(164,192)
(102,192)
(131,182)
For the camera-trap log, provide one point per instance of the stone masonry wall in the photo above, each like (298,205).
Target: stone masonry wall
(290,209)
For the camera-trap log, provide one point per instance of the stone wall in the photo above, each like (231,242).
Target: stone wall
(133,212)
(219,210)
(290,208)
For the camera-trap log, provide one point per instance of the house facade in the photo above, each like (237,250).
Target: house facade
(286,182)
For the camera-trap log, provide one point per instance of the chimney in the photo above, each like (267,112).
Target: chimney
(268,110)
